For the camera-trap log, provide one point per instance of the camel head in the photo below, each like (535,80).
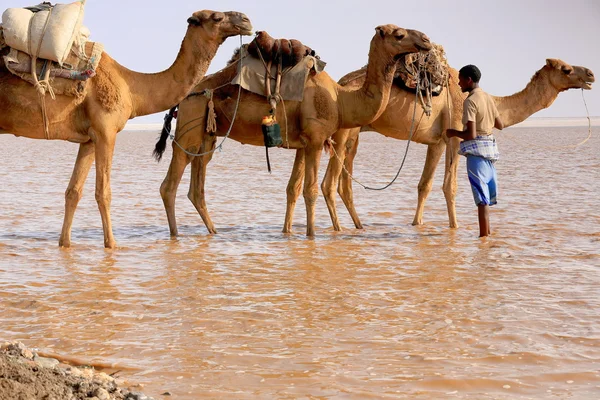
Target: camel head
(564,76)
(399,41)
(215,25)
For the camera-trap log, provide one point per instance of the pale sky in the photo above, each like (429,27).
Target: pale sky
(508,40)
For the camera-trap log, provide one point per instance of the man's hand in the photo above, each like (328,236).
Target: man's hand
(468,134)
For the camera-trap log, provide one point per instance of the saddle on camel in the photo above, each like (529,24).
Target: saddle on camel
(274,68)
(47,46)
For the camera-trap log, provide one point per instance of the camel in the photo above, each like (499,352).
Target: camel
(115,95)
(553,78)
(325,108)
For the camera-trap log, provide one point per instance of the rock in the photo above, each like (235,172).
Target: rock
(101,394)
(137,396)
(46,379)
(46,362)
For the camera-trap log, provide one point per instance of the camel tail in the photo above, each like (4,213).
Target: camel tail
(161,145)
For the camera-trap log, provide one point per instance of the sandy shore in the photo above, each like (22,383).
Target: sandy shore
(24,375)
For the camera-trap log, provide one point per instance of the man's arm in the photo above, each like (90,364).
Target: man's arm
(468,134)
(498,123)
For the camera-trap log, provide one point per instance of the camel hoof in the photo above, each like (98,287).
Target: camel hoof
(110,244)
(64,243)
(417,222)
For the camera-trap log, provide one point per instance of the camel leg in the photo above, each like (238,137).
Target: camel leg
(434,153)
(104,156)
(293,189)
(168,188)
(450,186)
(85,159)
(345,185)
(196,193)
(312,155)
(332,175)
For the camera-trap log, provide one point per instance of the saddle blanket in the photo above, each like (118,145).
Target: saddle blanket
(78,66)
(252,76)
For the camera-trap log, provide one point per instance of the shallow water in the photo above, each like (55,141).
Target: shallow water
(392,311)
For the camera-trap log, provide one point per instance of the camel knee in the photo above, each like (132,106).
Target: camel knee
(73,195)
(327,189)
(103,197)
(196,197)
(449,191)
(166,192)
(163,190)
(191,196)
(292,191)
(424,187)
(311,195)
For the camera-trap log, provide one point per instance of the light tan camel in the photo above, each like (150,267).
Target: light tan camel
(325,108)
(395,122)
(115,95)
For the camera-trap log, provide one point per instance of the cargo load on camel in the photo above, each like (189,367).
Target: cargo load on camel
(49,47)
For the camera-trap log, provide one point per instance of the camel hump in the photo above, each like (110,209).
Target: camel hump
(289,51)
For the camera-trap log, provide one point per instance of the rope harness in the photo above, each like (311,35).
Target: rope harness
(42,84)
(568,146)
(425,106)
(209,93)
(211,123)
(273,99)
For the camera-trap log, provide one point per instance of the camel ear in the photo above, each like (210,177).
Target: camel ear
(379,30)
(553,63)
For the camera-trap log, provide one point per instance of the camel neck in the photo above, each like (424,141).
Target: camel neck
(537,95)
(363,106)
(151,93)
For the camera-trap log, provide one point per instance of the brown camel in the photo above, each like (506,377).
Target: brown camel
(115,95)
(395,122)
(325,108)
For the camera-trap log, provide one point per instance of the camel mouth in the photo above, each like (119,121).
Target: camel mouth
(401,56)
(244,31)
(424,47)
(245,28)
(587,86)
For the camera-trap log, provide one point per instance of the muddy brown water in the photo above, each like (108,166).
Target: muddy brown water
(392,311)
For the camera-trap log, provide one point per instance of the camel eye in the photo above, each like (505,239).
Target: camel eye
(399,37)
(217,17)
(567,71)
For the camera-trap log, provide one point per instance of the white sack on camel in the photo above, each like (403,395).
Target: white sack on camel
(55,29)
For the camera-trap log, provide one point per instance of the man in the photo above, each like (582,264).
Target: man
(479,146)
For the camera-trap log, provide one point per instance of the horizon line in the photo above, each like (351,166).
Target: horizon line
(529,122)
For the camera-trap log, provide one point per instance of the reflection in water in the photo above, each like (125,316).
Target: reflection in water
(389,311)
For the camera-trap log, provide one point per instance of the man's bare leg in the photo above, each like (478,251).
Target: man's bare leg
(484,220)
